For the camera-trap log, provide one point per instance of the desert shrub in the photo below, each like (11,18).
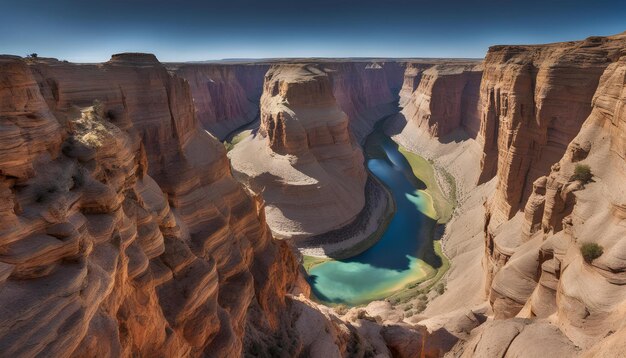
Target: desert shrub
(582,172)
(32,55)
(591,251)
(409,314)
(408,307)
(440,288)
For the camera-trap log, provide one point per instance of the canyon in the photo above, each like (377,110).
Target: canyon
(128,228)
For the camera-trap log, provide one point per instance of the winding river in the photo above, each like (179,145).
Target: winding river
(404,252)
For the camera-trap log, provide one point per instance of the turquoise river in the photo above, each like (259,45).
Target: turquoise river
(398,258)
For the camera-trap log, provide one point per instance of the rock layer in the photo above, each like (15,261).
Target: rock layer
(303,159)
(226,97)
(542,111)
(122,231)
(440,99)
(547,110)
(366,91)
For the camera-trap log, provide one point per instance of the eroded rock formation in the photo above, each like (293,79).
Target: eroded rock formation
(122,230)
(225,96)
(545,273)
(303,159)
(546,110)
(123,233)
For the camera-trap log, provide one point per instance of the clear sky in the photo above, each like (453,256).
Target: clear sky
(186,30)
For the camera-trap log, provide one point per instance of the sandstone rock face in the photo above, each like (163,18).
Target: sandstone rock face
(366,92)
(541,111)
(225,96)
(122,231)
(303,159)
(533,262)
(533,101)
(440,99)
(439,118)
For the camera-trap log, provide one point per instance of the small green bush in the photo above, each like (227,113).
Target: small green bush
(582,172)
(591,251)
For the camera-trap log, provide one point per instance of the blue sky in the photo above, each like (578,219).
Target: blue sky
(184,30)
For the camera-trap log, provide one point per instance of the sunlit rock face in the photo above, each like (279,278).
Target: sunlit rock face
(533,262)
(225,96)
(303,159)
(534,100)
(122,231)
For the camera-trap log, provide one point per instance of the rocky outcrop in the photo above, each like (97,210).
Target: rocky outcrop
(533,261)
(123,232)
(226,96)
(303,159)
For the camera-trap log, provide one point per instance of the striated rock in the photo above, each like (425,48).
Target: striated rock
(226,97)
(534,100)
(445,99)
(547,276)
(366,92)
(123,232)
(303,159)
(517,338)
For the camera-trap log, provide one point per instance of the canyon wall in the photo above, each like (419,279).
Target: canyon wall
(545,112)
(439,117)
(534,100)
(225,96)
(534,262)
(303,159)
(441,99)
(533,119)
(366,92)
(122,230)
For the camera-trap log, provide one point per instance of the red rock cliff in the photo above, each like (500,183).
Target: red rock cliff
(226,97)
(122,231)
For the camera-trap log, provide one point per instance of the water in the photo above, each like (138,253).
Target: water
(398,257)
